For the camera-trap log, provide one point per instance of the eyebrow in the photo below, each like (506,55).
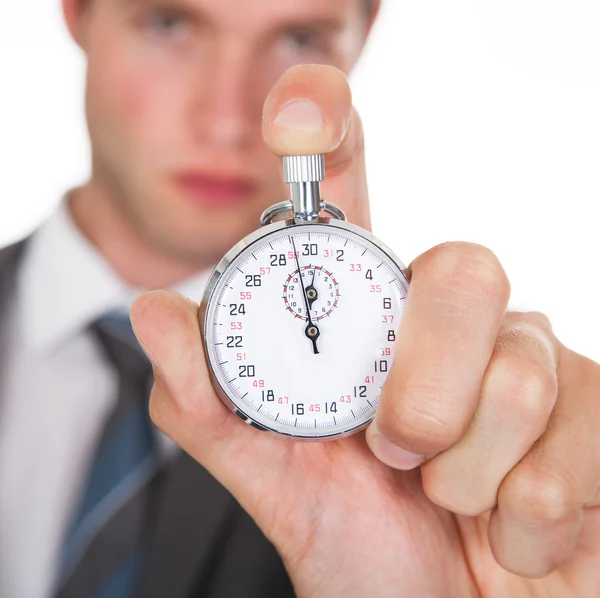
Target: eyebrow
(320,23)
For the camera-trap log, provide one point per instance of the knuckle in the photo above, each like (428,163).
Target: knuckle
(527,387)
(539,319)
(529,333)
(420,424)
(157,410)
(170,404)
(465,498)
(468,268)
(539,498)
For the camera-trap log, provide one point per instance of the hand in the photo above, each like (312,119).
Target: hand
(503,499)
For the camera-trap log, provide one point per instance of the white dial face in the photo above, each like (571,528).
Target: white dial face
(300,329)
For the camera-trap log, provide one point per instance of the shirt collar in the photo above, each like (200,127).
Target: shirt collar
(65,284)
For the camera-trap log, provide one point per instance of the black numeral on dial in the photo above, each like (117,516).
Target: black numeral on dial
(381,366)
(268,395)
(247,371)
(278,260)
(360,392)
(237,310)
(253,280)
(234,341)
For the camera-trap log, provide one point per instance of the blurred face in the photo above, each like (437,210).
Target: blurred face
(174,100)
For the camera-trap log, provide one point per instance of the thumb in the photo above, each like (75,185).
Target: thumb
(309,111)
(183,403)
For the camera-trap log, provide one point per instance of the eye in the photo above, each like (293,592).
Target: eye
(167,23)
(302,39)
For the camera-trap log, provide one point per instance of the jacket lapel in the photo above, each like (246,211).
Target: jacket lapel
(191,510)
(192,513)
(10,258)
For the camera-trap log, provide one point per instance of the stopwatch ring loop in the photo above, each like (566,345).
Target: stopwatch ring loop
(287,206)
(333,210)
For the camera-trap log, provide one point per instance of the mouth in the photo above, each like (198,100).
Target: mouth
(215,190)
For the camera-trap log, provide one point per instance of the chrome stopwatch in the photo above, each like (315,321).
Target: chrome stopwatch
(299,319)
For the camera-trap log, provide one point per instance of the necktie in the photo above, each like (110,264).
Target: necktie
(103,548)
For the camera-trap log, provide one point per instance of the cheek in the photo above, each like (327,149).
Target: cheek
(133,97)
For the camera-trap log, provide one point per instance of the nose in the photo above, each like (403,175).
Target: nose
(228,101)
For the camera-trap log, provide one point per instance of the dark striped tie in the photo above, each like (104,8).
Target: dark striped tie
(103,548)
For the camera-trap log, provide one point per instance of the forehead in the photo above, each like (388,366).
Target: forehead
(260,14)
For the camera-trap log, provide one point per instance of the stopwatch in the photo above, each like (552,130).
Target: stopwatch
(299,319)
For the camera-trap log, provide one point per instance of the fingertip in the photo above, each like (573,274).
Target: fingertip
(147,305)
(388,452)
(308,111)
(155,308)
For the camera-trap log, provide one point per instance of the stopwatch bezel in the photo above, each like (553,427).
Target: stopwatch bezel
(208,333)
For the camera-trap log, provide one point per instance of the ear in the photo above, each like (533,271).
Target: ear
(375,6)
(73,13)
(367,27)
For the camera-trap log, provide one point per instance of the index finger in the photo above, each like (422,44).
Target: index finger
(454,310)
(309,111)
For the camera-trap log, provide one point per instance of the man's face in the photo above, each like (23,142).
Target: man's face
(174,100)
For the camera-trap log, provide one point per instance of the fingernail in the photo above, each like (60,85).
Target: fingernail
(300,115)
(389,453)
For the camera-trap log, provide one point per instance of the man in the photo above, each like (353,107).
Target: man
(478,476)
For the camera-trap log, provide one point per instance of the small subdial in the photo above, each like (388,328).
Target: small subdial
(321,288)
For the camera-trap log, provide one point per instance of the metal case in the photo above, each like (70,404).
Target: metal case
(204,313)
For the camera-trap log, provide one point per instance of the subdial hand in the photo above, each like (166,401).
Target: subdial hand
(311,293)
(312,330)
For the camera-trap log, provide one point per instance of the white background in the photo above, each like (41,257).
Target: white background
(482,124)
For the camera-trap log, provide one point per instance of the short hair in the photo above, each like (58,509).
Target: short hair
(369,4)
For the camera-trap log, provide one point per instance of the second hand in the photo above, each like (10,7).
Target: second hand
(312,331)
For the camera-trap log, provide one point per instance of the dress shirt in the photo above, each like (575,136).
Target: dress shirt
(56,392)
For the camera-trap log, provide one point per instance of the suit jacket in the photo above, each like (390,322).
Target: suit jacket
(202,544)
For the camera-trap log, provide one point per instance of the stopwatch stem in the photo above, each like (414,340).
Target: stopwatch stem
(303,174)
(306,200)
